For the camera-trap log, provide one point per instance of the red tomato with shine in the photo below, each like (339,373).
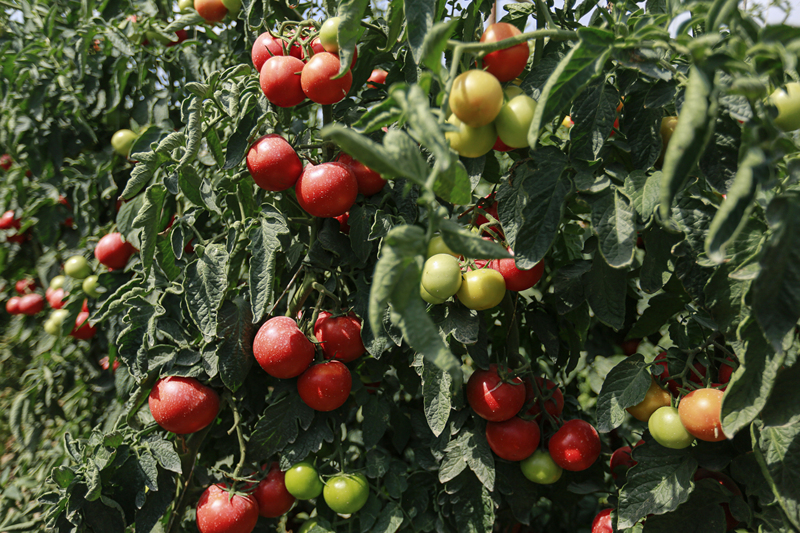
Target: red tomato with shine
(340,337)
(326,386)
(211,10)
(508,63)
(280,81)
(327,190)
(378,76)
(369,181)
(602,522)
(513,440)
(31,304)
(317,79)
(517,279)
(575,446)
(273,163)
(7,221)
(183,405)
(82,329)
(700,413)
(218,513)
(55,297)
(271,494)
(553,405)
(12,305)
(492,398)
(25,285)
(344,226)
(281,348)
(621,461)
(113,252)
(267,46)
(6,161)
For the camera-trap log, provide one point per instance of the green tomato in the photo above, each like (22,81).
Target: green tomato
(302,481)
(438,246)
(53,323)
(77,267)
(540,468)
(346,493)
(468,141)
(51,328)
(476,98)
(185,6)
(329,34)
(441,276)
(482,289)
(122,141)
(233,7)
(666,427)
(90,285)
(57,282)
(788,103)
(428,297)
(514,119)
(307,525)
(512,90)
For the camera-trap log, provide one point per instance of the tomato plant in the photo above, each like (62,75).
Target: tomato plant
(340,337)
(441,276)
(280,80)
(271,495)
(113,252)
(122,141)
(482,289)
(655,398)
(317,79)
(476,98)
(328,34)
(273,163)
(211,10)
(602,522)
(554,402)
(282,350)
(470,141)
(514,119)
(508,63)
(787,100)
(369,181)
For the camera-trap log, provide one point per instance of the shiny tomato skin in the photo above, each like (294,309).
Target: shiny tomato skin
(508,63)
(554,405)
(666,428)
(787,100)
(492,398)
(113,252)
(517,279)
(482,289)
(441,276)
(476,98)
(318,83)
(344,225)
(266,46)
(621,461)
(329,34)
(218,513)
(83,330)
(700,413)
(12,305)
(327,190)
(514,439)
(514,120)
(602,522)
(183,405)
(7,221)
(369,181)
(25,286)
(56,298)
(346,493)
(655,398)
(280,81)
(271,494)
(211,10)
(575,446)
(302,481)
(273,163)
(378,76)
(340,337)
(31,304)
(326,386)
(728,483)
(281,348)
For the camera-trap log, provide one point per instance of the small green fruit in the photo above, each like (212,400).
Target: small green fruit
(77,267)
(122,142)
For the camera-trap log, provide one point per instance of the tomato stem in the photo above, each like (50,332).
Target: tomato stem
(239,434)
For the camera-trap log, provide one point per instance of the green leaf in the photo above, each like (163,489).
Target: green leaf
(694,130)
(661,308)
(605,289)
(279,426)
(142,173)
(140,321)
(263,247)
(700,514)
(390,519)
(192,114)
(235,352)
(735,209)
(625,386)
(594,116)
(531,204)
(424,128)
(350,30)
(239,141)
(469,244)
(436,395)
(614,223)
(164,452)
(659,483)
(435,42)
(148,220)
(643,190)
(419,21)
(774,450)
(376,420)
(205,287)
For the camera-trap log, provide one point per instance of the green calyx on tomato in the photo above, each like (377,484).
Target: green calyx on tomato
(77,267)
(540,468)
(787,100)
(482,289)
(329,34)
(514,120)
(302,481)
(468,141)
(346,493)
(441,276)
(666,427)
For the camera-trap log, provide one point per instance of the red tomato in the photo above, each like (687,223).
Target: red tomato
(340,338)
(553,405)
(316,48)
(18,238)
(630,346)
(271,494)
(327,190)
(492,398)
(728,483)
(31,304)
(281,348)
(105,366)
(516,279)
(500,146)
(514,439)
(344,227)
(217,512)
(616,127)
(575,446)
(211,10)
(266,46)
(280,81)
(369,181)
(182,36)
(621,461)
(602,522)
(508,63)
(12,305)
(273,163)
(726,370)
(7,221)
(55,297)
(378,76)
(326,386)
(700,412)
(673,385)
(491,209)
(113,252)
(6,161)
(82,329)
(183,405)
(317,81)
(25,285)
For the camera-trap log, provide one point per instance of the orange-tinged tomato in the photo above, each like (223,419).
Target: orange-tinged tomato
(655,398)
(482,289)
(476,98)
